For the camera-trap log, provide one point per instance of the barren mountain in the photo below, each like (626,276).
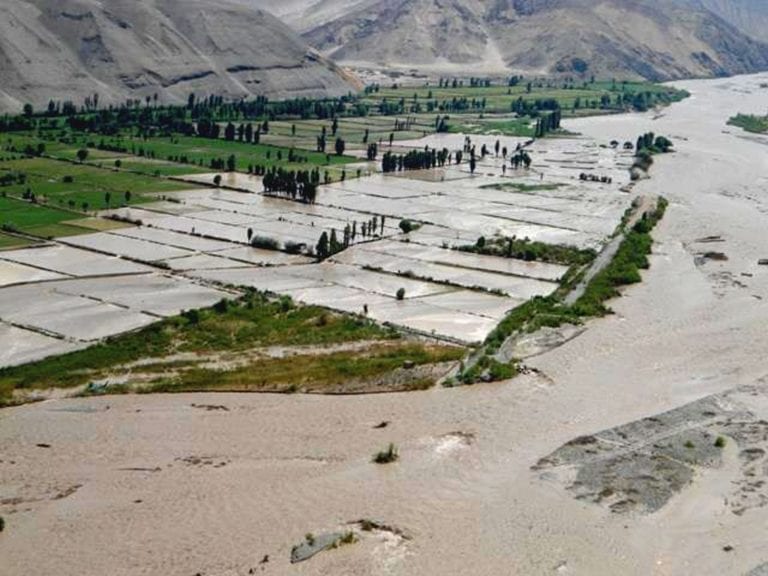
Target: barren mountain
(69,49)
(655,39)
(750,16)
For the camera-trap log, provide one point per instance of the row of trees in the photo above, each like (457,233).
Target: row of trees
(388,107)
(651,143)
(547,123)
(415,160)
(330,244)
(298,185)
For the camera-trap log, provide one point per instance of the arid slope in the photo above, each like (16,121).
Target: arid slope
(626,38)
(131,49)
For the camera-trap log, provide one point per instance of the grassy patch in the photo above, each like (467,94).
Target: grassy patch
(574,98)
(524,249)
(252,322)
(7,241)
(196,151)
(36,220)
(750,123)
(82,187)
(488,369)
(507,127)
(311,372)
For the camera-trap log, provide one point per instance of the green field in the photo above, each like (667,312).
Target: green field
(750,123)
(574,99)
(54,195)
(508,127)
(8,241)
(49,181)
(197,149)
(64,145)
(36,220)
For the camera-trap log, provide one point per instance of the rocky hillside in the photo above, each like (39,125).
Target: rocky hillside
(71,49)
(750,16)
(655,39)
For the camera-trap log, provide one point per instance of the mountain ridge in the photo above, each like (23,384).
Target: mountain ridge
(121,49)
(626,38)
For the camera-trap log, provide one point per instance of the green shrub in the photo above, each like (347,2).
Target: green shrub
(406,226)
(265,243)
(720,442)
(294,247)
(387,456)
(192,316)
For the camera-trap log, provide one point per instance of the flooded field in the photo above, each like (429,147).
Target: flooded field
(74,296)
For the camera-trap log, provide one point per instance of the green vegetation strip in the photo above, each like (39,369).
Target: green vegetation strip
(750,123)
(315,372)
(7,241)
(623,270)
(254,321)
(552,312)
(530,251)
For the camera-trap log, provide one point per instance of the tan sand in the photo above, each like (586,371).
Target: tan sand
(219,489)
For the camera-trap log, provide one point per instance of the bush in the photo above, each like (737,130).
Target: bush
(294,247)
(286,304)
(387,456)
(348,538)
(720,442)
(401,294)
(2,523)
(192,316)
(265,242)
(488,369)
(406,226)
